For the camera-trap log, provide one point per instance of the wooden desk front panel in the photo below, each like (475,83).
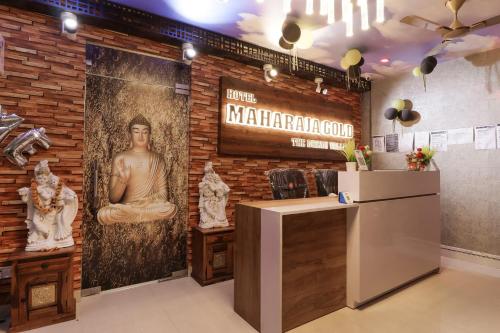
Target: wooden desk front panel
(314,266)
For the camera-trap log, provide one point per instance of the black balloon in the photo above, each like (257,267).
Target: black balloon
(428,64)
(390,113)
(291,32)
(284,44)
(361,62)
(405,115)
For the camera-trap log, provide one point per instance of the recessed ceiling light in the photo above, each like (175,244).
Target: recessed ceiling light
(384,60)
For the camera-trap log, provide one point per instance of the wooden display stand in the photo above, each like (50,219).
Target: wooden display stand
(212,254)
(41,288)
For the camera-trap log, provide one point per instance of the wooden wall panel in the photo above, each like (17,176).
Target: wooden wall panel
(44,82)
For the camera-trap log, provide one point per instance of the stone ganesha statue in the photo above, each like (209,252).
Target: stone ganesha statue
(52,208)
(214,194)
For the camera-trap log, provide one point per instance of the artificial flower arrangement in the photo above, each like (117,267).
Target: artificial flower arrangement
(419,160)
(367,153)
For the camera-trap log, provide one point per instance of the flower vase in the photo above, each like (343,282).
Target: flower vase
(350,166)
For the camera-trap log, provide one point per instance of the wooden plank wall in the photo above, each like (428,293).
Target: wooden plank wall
(44,82)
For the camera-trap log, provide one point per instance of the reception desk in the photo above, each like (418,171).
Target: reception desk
(297,260)
(394,236)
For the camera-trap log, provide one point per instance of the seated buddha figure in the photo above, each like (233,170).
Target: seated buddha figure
(138,183)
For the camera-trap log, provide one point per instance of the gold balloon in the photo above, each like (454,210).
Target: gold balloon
(417,72)
(353,57)
(398,104)
(344,64)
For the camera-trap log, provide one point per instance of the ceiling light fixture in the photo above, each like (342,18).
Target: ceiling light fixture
(385,60)
(349,23)
(188,53)
(363,5)
(287,6)
(331,12)
(319,89)
(344,9)
(269,72)
(323,7)
(309,7)
(69,22)
(380,11)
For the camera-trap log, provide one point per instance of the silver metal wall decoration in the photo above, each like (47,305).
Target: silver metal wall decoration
(8,122)
(23,143)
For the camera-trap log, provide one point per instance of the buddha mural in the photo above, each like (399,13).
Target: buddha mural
(138,182)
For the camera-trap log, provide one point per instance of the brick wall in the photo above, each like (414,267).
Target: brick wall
(44,82)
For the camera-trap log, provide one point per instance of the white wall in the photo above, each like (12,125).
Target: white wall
(460,93)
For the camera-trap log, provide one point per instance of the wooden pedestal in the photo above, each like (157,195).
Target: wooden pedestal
(41,289)
(212,254)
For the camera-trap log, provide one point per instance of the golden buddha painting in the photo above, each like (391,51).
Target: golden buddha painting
(135,207)
(138,187)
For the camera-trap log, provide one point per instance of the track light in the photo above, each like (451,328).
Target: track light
(69,22)
(188,53)
(319,89)
(269,72)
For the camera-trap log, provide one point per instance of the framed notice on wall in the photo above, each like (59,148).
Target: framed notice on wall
(257,120)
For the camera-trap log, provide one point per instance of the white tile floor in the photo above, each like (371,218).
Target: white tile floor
(451,301)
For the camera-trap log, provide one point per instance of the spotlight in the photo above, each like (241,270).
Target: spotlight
(319,90)
(188,53)
(69,22)
(269,72)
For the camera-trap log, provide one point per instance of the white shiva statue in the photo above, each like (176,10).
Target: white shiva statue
(52,208)
(214,194)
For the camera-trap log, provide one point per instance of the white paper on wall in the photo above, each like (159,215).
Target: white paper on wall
(391,143)
(406,142)
(486,137)
(378,144)
(421,139)
(439,140)
(460,136)
(498,136)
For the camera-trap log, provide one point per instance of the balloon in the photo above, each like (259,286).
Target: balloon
(408,104)
(353,57)
(361,62)
(284,44)
(291,32)
(306,39)
(428,64)
(390,113)
(405,115)
(8,123)
(417,72)
(344,64)
(398,104)
(23,143)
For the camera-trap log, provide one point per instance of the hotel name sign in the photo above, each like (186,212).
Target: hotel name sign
(262,121)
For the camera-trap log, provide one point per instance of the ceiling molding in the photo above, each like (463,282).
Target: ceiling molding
(117,17)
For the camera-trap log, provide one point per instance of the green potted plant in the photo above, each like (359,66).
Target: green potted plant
(348,153)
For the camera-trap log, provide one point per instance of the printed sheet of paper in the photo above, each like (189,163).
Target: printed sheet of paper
(439,140)
(421,139)
(460,136)
(406,142)
(391,143)
(498,136)
(486,137)
(378,144)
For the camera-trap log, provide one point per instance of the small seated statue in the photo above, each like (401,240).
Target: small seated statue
(52,208)
(138,184)
(214,194)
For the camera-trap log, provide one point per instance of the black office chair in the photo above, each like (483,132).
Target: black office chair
(326,181)
(288,184)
